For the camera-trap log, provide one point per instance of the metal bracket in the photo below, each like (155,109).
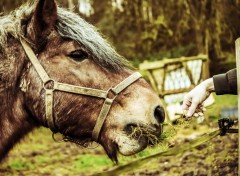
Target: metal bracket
(224,124)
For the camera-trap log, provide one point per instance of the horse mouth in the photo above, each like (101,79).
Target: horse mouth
(133,139)
(137,138)
(145,133)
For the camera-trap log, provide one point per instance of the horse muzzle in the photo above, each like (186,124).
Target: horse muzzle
(151,131)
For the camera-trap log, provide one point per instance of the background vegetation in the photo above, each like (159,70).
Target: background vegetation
(148,30)
(153,29)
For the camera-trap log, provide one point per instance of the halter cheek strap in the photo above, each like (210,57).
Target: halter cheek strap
(103,94)
(108,102)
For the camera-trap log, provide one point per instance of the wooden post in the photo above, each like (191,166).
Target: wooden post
(70,5)
(237,44)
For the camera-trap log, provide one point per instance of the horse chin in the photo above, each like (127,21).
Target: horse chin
(128,146)
(123,145)
(111,150)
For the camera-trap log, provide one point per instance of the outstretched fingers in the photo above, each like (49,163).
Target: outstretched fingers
(192,108)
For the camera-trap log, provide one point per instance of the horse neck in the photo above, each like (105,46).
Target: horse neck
(14,120)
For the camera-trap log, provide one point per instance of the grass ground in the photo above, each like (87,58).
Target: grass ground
(38,154)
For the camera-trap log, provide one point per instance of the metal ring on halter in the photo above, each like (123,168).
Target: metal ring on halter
(51,82)
(58,141)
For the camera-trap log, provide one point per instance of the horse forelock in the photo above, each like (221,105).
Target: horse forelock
(69,25)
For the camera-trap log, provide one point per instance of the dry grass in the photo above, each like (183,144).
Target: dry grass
(141,131)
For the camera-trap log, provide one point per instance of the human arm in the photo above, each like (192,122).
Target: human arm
(226,83)
(221,84)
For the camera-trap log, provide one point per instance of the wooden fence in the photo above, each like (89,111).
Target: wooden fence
(173,78)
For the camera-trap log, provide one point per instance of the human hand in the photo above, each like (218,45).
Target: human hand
(193,101)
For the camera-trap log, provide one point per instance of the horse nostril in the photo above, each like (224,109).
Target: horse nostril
(159,114)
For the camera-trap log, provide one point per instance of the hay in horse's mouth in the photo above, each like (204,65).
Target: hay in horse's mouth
(143,131)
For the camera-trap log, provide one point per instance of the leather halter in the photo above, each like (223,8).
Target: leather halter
(103,94)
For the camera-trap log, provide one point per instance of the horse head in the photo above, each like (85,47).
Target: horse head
(72,53)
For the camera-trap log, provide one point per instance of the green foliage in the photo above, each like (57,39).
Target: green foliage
(155,29)
(19,164)
(91,162)
(146,29)
(221,101)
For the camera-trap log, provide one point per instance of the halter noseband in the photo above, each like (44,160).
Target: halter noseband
(49,92)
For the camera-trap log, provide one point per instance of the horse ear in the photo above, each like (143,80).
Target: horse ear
(43,20)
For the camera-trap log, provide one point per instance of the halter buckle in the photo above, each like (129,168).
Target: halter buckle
(111,94)
(224,125)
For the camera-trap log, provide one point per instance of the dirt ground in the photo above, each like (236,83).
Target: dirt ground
(218,157)
(41,156)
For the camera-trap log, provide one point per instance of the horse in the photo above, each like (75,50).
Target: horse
(58,71)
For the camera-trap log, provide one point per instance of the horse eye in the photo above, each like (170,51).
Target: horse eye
(78,55)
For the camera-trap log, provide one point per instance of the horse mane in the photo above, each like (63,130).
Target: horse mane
(69,25)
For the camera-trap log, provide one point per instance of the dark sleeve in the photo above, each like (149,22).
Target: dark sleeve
(226,83)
